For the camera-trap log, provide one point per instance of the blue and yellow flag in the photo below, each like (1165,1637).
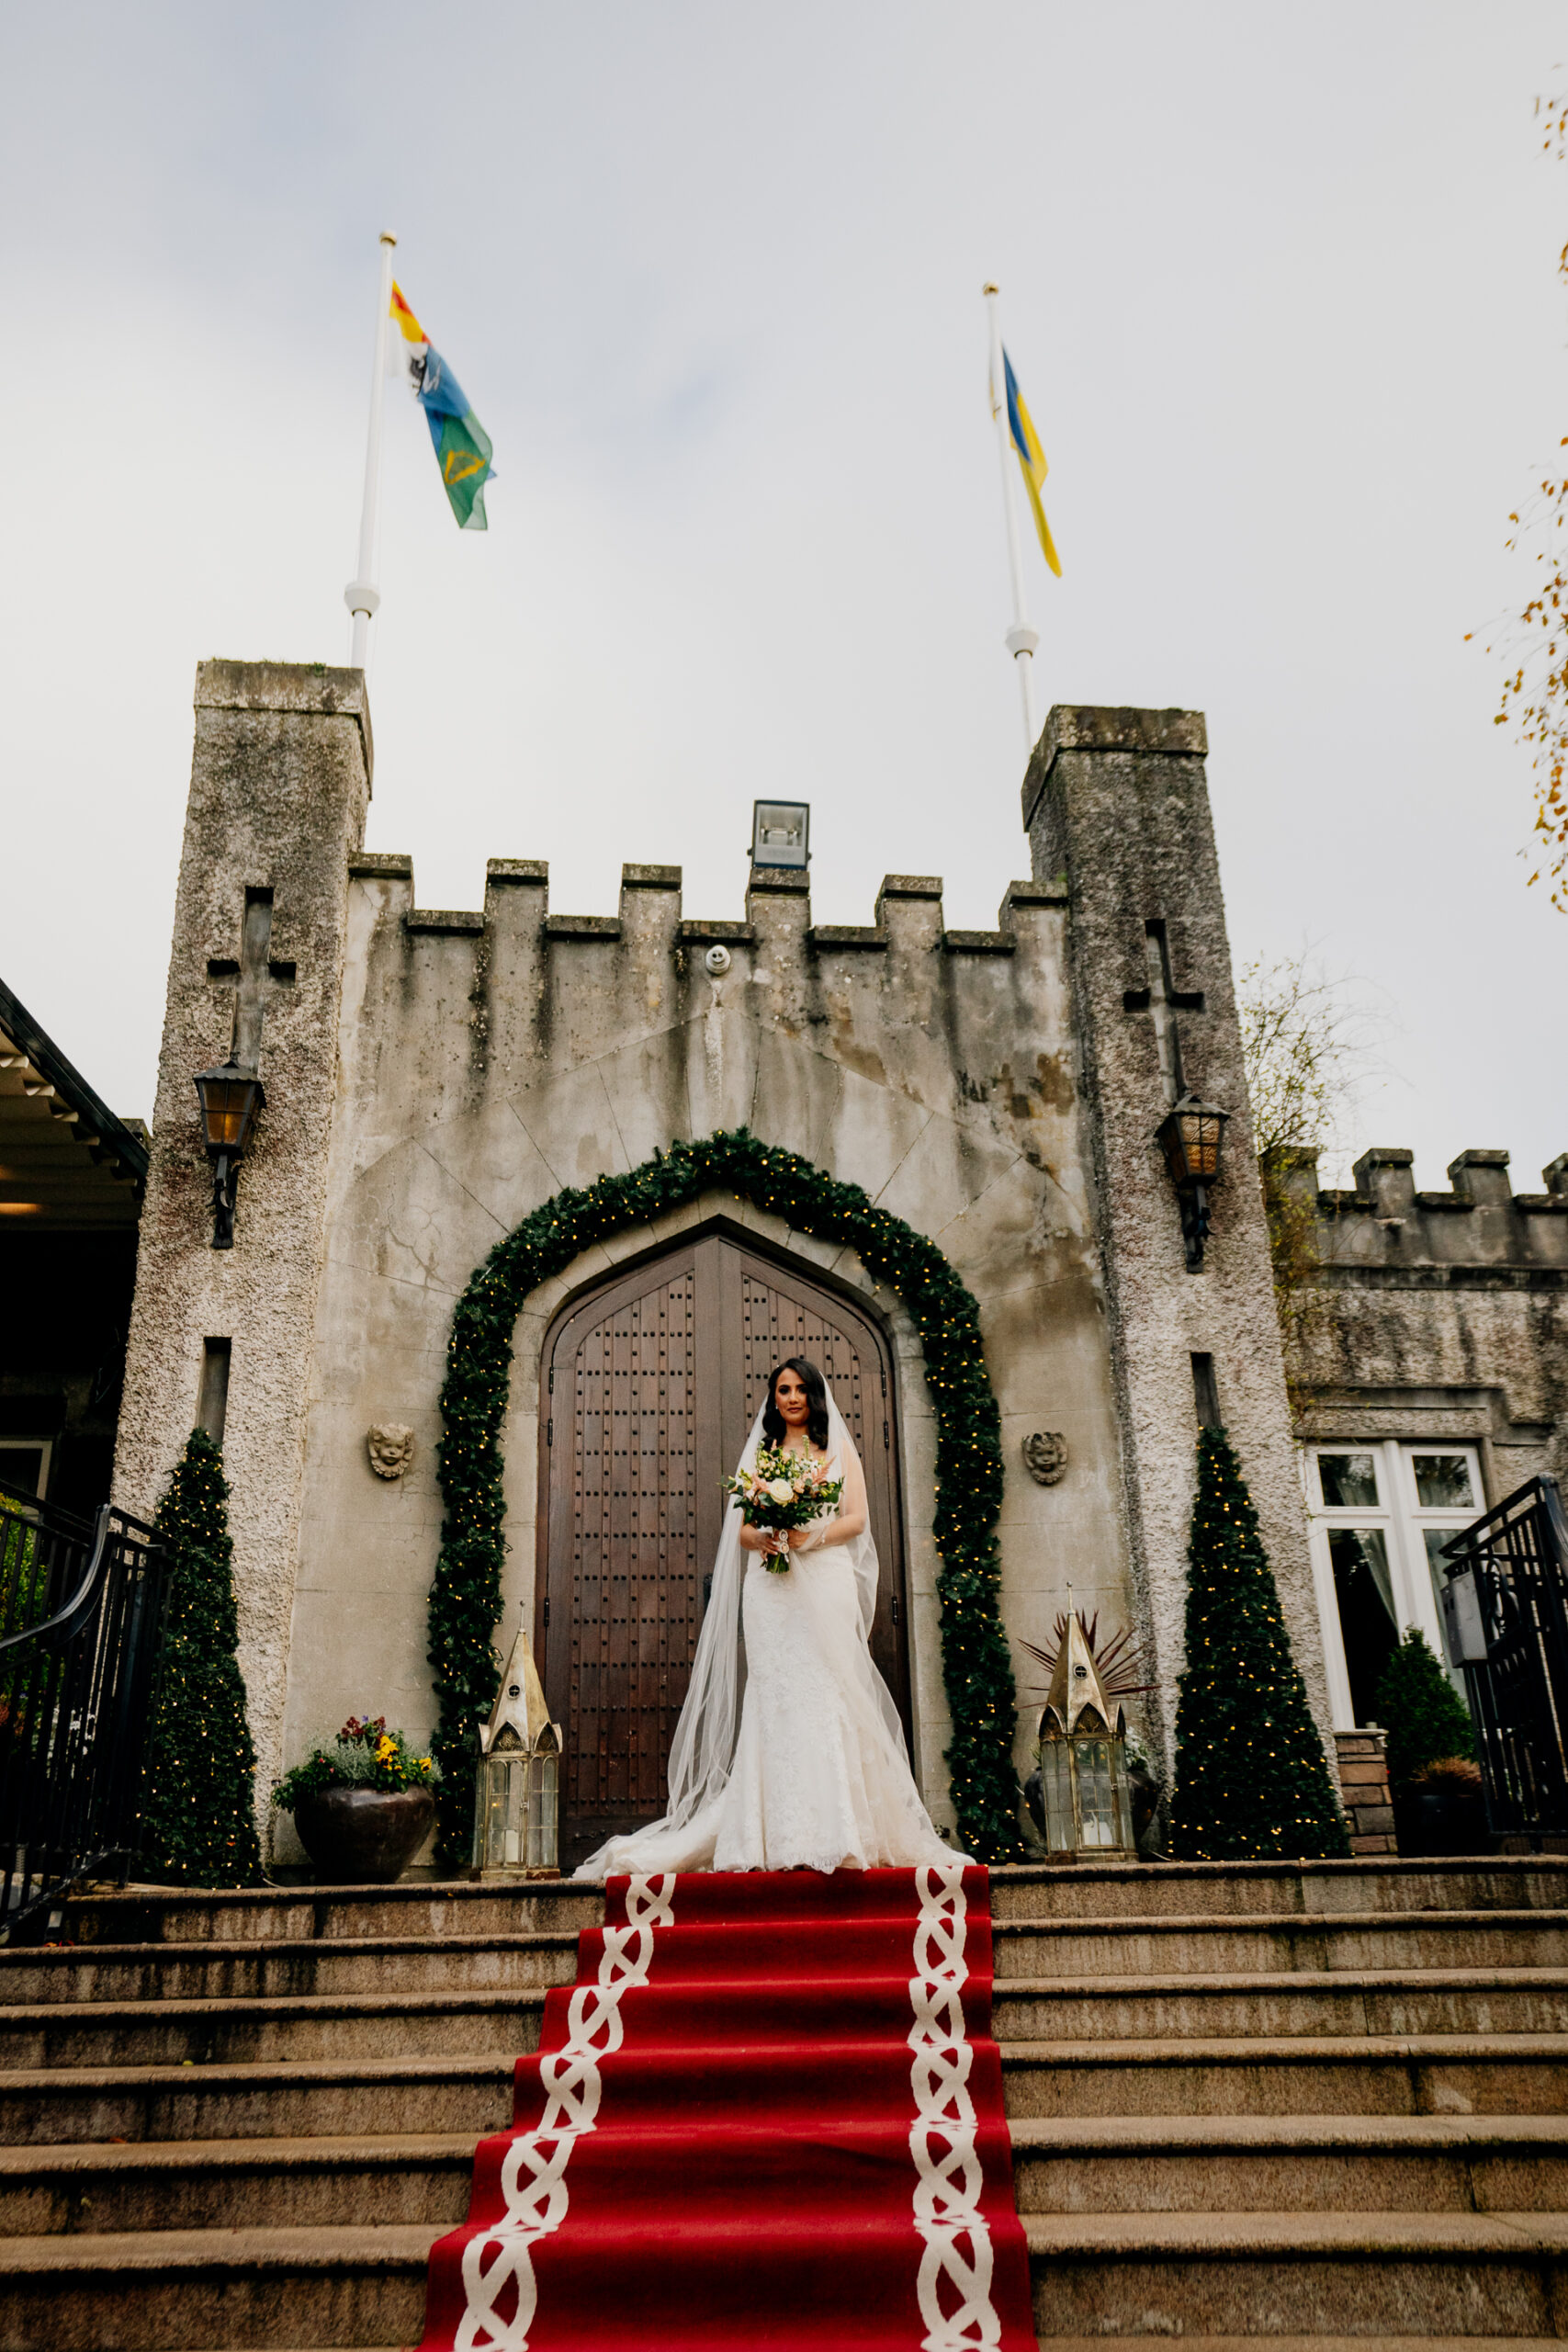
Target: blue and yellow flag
(462,444)
(1032,461)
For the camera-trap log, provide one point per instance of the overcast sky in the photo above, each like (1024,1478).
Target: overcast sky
(1279,286)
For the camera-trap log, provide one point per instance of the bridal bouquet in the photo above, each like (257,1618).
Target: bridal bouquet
(783,1490)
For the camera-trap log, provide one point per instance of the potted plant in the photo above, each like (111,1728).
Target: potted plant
(1442,1810)
(364,1806)
(1439,1806)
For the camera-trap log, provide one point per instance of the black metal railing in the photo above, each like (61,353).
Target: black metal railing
(1506,1606)
(81,1605)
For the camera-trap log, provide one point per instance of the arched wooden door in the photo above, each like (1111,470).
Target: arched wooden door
(651,1385)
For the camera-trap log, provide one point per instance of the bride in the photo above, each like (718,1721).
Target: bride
(788,1752)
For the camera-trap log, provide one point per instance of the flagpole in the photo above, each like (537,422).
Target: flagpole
(1020,639)
(361,595)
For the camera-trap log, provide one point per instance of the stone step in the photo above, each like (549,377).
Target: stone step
(1194,1943)
(252,1967)
(357,2180)
(259,2288)
(1193,2343)
(1312,2075)
(388,2097)
(259,1968)
(1366,2275)
(1250,2275)
(1296,2165)
(206,2033)
(424,1907)
(1406,2164)
(1284,2075)
(1299,2002)
(1377,1883)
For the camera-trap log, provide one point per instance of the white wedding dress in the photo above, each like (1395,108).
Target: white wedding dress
(788,1752)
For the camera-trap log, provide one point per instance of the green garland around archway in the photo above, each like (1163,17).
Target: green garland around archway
(465,1600)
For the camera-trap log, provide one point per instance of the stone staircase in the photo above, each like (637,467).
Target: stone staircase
(1309,2103)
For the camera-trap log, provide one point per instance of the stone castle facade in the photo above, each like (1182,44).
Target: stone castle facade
(432,1078)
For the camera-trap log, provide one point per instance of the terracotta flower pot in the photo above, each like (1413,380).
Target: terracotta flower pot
(364,1836)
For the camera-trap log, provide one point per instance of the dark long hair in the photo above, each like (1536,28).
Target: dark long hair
(816,1389)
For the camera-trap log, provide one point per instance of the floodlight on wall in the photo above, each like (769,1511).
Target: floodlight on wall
(231,1098)
(781,833)
(1192,1139)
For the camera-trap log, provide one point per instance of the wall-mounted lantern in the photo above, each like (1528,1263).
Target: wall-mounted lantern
(1192,1139)
(517,1793)
(1083,1790)
(231,1098)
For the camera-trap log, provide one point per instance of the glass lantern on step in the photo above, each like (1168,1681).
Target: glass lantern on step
(1083,1757)
(517,1793)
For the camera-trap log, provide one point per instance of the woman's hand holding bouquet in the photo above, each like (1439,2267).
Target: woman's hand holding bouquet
(782,1491)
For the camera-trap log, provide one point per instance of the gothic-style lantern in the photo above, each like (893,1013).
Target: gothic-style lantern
(230,1099)
(518,1793)
(1083,1756)
(1192,1139)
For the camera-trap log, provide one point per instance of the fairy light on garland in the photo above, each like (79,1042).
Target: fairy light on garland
(1251,1781)
(199,1826)
(465,1600)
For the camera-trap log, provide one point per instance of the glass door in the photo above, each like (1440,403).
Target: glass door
(1379,1515)
(1442,1494)
(1352,1560)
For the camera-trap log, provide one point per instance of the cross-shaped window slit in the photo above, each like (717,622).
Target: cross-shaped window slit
(1162,1003)
(253,975)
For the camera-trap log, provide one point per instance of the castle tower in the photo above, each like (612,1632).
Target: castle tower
(280,781)
(1116,808)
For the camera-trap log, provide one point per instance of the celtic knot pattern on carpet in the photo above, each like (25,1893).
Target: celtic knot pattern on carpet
(941,2138)
(532,2172)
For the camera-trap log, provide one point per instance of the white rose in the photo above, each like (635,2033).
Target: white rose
(780,1491)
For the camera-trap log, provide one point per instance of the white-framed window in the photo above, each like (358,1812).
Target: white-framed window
(24,1462)
(1379,1516)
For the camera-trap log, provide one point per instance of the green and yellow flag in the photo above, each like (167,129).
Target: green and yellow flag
(462,444)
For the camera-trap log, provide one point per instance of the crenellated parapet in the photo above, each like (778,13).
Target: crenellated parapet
(1479,1232)
(1438,1315)
(902,916)
(972,1021)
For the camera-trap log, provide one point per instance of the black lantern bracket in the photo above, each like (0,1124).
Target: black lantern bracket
(1192,1139)
(231,1097)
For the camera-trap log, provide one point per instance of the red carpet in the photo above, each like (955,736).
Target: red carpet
(768,2113)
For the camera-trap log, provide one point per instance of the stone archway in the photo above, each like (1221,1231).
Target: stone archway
(465,1600)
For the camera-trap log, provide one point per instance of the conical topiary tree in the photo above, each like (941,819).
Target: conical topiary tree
(1421,1711)
(1251,1781)
(199,1826)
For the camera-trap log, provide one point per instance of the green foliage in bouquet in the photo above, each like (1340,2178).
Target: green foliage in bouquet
(1424,1718)
(783,1490)
(1251,1781)
(199,1825)
(364,1755)
(465,1600)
